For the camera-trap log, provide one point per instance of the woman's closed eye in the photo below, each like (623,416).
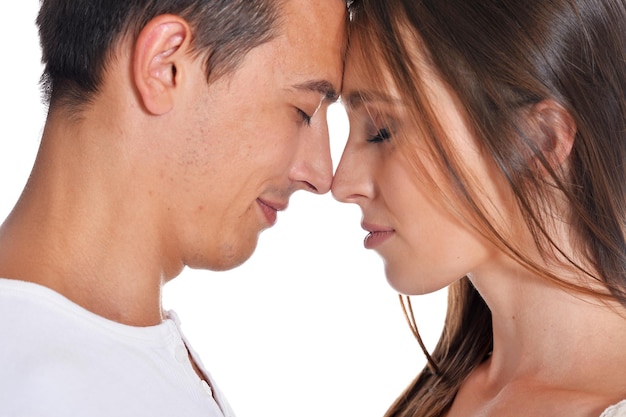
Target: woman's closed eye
(381,135)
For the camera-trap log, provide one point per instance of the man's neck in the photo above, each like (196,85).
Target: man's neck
(82,229)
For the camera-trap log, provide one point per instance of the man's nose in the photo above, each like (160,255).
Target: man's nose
(313,168)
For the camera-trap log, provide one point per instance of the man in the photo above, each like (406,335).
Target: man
(176,131)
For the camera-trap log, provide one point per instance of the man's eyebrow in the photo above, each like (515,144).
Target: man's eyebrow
(355,99)
(323,87)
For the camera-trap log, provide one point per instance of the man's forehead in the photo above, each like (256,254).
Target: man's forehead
(310,48)
(316,25)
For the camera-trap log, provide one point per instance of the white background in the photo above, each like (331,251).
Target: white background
(307,327)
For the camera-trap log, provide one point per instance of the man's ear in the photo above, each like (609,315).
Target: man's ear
(555,131)
(159,50)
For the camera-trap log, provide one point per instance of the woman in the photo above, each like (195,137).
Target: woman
(487,152)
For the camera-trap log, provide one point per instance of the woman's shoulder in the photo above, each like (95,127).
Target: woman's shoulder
(616,410)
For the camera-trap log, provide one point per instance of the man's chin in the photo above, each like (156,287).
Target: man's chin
(229,257)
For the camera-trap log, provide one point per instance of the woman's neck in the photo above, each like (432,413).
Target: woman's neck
(551,336)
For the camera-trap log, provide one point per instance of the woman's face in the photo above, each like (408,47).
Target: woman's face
(424,245)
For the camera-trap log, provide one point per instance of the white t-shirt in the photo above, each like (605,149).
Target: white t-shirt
(617,410)
(58,359)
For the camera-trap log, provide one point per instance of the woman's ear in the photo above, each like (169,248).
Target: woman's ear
(159,51)
(555,131)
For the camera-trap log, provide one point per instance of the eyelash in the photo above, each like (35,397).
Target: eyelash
(382,135)
(305,117)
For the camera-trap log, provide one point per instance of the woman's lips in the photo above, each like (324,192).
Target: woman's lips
(377,235)
(374,239)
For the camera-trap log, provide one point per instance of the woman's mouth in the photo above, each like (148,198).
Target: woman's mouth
(377,235)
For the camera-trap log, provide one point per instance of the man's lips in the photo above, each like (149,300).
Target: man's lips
(270,209)
(377,235)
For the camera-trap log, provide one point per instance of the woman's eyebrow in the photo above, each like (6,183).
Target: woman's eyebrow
(354,99)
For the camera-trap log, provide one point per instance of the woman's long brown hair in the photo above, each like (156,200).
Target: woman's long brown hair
(501,57)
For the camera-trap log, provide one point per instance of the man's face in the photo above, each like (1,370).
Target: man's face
(254,137)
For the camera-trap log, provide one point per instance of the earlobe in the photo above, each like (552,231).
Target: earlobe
(556,131)
(159,51)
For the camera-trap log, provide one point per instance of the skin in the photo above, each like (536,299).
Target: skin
(422,253)
(426,246)
(163,170)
